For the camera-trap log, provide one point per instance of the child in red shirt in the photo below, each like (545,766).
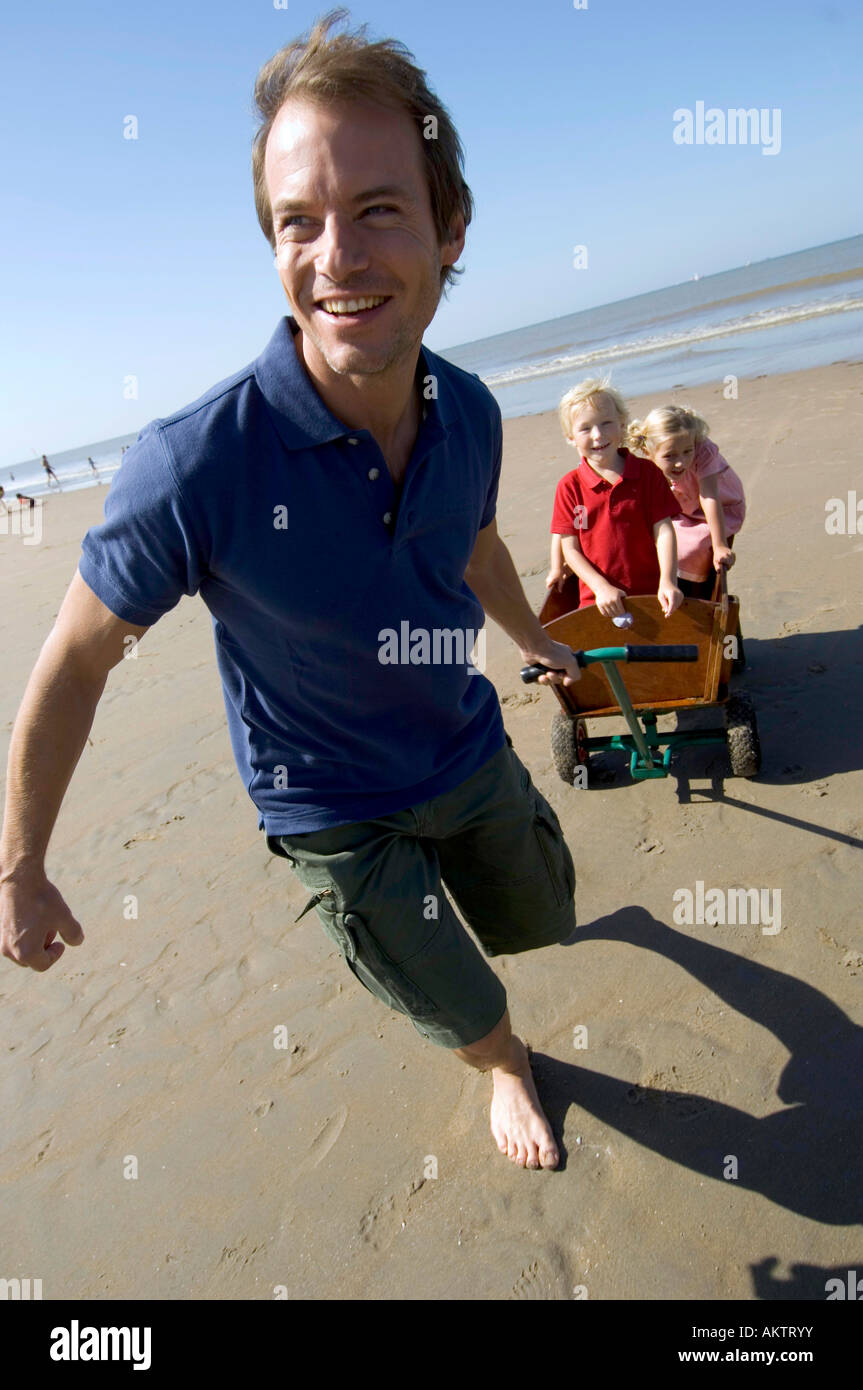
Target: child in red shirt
(612,514)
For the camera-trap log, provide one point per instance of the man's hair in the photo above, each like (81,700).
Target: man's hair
(348,67)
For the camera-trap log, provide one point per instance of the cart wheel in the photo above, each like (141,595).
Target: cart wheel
(569,747)
(744,745)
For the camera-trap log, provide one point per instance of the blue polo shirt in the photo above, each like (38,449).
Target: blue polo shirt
(341,617)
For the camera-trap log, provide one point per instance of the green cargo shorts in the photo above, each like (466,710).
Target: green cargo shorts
(495,843)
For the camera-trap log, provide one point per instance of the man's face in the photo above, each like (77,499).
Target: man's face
(356,248)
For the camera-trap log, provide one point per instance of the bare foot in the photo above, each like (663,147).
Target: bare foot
(517,1120)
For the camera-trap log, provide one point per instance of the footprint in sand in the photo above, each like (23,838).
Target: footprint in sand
(44,1141)
(816,789)
(322,1142)
(17,1163)
(678,1090)
(538,1281)
(387,1216)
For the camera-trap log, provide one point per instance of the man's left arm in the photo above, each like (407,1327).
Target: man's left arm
(492,576)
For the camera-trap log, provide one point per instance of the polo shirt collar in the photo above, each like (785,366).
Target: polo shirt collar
(590,478)
(300,415)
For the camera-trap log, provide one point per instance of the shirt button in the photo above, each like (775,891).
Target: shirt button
(388,516)
(353,441)
(374,473)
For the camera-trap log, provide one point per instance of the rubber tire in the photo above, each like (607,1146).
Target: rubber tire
(741,732)
(564,748)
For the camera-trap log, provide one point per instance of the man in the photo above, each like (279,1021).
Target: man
(362,472)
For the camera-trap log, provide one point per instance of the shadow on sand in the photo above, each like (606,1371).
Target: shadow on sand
(806,1156)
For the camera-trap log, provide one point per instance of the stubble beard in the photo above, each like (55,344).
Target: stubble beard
(406,341)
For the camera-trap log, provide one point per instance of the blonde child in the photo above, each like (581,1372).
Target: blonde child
(709,492)
(612,520)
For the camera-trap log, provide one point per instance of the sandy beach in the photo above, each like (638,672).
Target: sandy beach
(356,1161)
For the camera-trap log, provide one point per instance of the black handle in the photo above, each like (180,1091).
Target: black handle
(627,653)
(532,673)
(665,653)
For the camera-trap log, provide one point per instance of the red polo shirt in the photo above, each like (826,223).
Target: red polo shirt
(614,521)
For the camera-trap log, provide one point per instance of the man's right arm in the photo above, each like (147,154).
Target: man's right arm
(50,731)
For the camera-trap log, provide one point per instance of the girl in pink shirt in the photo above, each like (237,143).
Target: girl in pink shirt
(708,490)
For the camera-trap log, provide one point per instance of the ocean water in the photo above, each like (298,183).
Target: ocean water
(779,315)
(71,468)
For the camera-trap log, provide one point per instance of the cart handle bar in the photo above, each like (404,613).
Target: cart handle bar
(628,653)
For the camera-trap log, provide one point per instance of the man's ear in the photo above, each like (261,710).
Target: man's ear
(453,246)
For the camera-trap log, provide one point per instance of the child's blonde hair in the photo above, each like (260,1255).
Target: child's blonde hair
(585,393)
(645,436)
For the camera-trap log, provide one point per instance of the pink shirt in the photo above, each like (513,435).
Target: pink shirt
(708,461)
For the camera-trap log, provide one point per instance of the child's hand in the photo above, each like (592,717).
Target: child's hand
(555,578)
(723,555)
(609,600)
(670,597)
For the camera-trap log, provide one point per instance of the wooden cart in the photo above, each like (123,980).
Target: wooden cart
(652,687)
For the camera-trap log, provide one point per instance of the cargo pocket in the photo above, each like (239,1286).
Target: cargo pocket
(377,972)
(557,857)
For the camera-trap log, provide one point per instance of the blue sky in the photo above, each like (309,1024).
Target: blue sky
(145,258)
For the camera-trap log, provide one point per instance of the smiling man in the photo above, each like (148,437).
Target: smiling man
(368,472)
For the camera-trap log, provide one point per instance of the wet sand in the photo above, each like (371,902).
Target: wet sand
(357,1161)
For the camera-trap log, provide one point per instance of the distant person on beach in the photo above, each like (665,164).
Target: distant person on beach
(32,502)
(93,466)
(2,498)
(379,775)
(709,492)
(611,523)
(50,471)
